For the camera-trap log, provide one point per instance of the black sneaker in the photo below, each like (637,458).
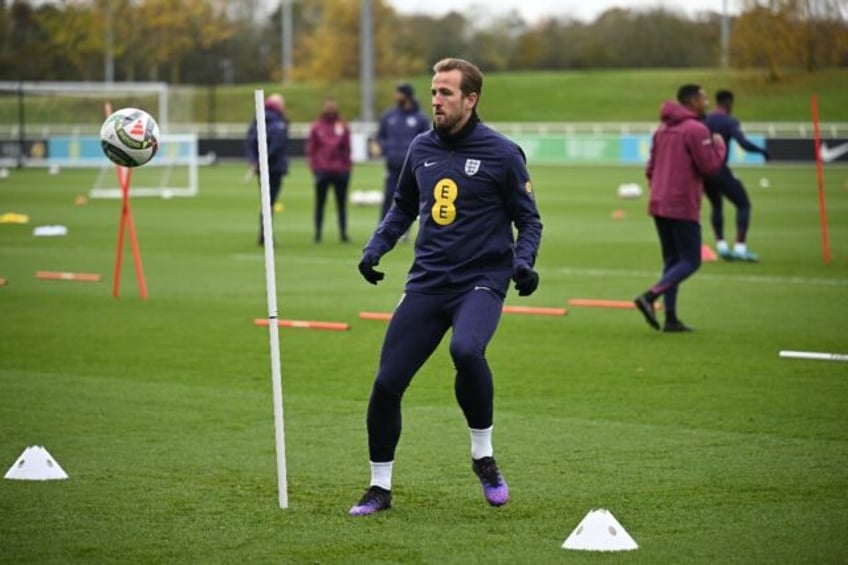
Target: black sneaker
(647,309)
(374,500)
(495,489)
(677,327)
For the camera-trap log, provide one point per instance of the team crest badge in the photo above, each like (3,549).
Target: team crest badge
(472,166)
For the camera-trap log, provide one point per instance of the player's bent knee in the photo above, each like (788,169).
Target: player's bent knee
(465,352)
(385,388)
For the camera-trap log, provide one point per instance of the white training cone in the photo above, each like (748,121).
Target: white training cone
(36,464)
(600,531)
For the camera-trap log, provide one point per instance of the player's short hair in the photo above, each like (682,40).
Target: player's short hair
(724,97)
(687,92)
(472,78)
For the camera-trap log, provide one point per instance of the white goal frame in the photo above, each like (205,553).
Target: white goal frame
(188,158)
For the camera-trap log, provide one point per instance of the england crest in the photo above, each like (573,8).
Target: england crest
(472,166)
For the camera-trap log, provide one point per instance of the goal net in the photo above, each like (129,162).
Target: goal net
(57,125)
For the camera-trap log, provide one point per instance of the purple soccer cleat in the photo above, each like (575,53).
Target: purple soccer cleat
(374,500)
(495,489)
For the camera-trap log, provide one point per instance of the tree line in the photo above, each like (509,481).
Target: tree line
(230,41)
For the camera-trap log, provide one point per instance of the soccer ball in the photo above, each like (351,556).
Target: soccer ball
(129,137)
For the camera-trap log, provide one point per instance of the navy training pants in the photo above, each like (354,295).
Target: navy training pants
(275,184)
(340,183)
(725,185)
(418,325)
(680,242)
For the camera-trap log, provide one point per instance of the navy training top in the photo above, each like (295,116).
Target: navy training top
(468,191)
(277,137)
(728,128)
(398,127)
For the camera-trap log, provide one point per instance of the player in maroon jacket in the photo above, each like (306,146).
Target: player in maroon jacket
(683,152)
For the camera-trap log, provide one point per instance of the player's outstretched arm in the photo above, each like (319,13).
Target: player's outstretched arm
(747,144)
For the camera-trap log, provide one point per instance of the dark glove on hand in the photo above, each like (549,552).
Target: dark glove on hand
(526,280)
(366,267)
(766,156)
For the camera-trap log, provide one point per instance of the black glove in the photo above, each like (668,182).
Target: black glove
(526,280)
(766,156)
(366,267)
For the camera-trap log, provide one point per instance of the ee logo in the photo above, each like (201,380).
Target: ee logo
(444,210)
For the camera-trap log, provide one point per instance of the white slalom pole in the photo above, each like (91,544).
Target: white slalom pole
(814,355)
(271,286)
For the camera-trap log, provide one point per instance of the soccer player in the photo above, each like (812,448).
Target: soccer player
(398,126)
(277,137)
(470,186)
(725,184)
(683,152)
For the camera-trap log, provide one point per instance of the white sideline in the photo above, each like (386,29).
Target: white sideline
(595,272)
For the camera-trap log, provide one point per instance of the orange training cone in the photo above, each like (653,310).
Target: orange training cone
(708,254)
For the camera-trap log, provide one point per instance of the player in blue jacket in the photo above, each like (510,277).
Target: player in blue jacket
(277,137)
(725,184)
(470,186)
(398,127)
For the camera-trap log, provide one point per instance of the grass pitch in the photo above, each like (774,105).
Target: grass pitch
(707,447)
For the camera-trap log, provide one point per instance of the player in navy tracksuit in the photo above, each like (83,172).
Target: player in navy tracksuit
(398,126)
(470,186)
(277,137)
(724,184)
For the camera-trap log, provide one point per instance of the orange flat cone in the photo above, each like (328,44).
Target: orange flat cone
(381,316)
(536,311)
(708,254)
(63,276)
(305,324)
(602,303)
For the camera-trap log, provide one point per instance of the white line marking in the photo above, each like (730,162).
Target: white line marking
(597,272)
(758,279)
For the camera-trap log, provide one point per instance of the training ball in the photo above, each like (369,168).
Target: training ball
(129,137)
(629,190)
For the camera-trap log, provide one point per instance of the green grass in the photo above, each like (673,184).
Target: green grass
(707,447)
(635,95)
(601,95)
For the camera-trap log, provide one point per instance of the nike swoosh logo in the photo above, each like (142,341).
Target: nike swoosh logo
(829,154)
(429,163)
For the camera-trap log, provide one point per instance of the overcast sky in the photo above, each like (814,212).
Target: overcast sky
(532,10)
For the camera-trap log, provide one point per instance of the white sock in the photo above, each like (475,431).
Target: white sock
(721,246)
(740,248)
(481,443)
(381,474)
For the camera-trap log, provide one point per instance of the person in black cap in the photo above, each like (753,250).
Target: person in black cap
(398,126)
